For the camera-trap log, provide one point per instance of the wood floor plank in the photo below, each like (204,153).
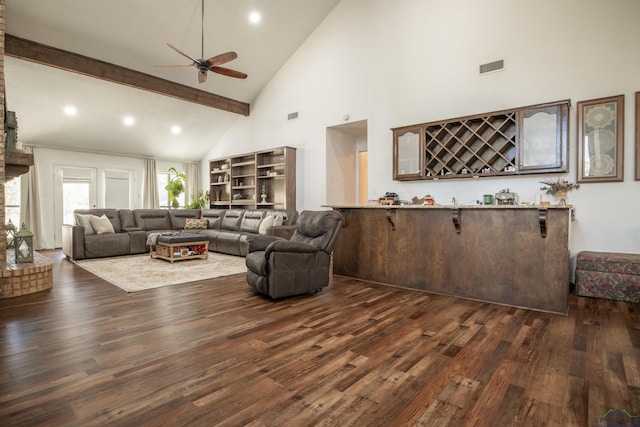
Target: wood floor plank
(213,353)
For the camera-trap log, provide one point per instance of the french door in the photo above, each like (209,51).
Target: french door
(75,188)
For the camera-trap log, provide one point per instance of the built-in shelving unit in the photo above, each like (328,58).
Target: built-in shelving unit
(263,180)
(510,142)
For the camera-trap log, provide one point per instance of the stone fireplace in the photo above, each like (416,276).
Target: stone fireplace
(16,278)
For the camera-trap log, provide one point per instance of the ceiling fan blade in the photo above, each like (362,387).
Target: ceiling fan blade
(229,72)
(181,52)
(202,76)
(223,58)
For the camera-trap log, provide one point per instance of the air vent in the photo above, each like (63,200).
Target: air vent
(492,66)
(292,116)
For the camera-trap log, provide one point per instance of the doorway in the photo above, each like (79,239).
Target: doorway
(347,164)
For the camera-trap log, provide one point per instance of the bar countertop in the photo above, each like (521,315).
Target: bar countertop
(460,206)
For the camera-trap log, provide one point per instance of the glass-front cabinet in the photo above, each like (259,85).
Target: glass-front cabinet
(408,146)
(542,133)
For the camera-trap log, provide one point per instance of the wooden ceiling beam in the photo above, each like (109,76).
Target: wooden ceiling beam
(46,55)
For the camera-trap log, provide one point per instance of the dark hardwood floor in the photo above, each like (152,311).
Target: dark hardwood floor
(356,354)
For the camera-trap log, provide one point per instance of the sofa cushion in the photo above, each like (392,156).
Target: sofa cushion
(152,219)
(101,224)
(106,245)
(179,217)
(251,221)
(213,216)
(265,224)
(228,242)
(127,220)
(289,217)
(195,224)
(85,221)
(232,219)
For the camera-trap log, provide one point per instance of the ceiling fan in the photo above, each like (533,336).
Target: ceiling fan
(204,65)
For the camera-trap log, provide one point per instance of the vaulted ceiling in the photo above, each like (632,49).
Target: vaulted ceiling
(134,35)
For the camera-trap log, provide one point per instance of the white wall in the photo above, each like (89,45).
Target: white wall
(402,62)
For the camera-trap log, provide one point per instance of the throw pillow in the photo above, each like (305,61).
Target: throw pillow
(101,224)
(85,221)
(278,220)
(195,224)
(265,224)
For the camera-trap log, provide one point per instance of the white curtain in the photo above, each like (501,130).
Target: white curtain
(192,184)
(150,197)
(30,202)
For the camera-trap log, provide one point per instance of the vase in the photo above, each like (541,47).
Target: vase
(561,196)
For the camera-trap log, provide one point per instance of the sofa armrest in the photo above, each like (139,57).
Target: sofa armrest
(259,242)
(289,246)
(73,241)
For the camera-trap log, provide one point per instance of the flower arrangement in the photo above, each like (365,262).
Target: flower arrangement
(553,186)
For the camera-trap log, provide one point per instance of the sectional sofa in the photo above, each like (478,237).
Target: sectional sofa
(226,229)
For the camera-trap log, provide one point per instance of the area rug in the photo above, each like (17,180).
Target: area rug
(135,273)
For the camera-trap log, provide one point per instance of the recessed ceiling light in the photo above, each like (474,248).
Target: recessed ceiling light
(255,17)
(70,110)
(129,121)
(176,130)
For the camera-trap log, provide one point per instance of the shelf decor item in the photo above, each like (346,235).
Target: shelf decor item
(601,139)
(263,194)
(10,233)
(559,188)
(23,245)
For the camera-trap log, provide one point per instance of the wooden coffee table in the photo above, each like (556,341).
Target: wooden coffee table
(180,247)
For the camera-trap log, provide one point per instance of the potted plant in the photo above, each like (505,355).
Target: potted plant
(200,201)
(175,187)
(558,188)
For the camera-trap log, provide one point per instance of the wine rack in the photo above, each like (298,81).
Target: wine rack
(482,145)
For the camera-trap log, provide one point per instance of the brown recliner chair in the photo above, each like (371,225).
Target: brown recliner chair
(279,268)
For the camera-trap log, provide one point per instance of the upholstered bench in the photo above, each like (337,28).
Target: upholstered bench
(608,275)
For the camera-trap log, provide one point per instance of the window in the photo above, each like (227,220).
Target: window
(163,179)
(12,201)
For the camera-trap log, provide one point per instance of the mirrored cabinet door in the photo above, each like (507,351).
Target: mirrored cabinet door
(408,148)
(542,138)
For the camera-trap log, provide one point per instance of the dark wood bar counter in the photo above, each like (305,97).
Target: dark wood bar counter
(513,255)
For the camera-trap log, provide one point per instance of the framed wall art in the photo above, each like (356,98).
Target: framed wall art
(637,136)
(601,139)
